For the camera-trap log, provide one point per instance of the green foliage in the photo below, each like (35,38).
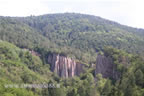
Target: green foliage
(74,35)
(107,88)
(56,92)
(7,91)
(19,66)
(130,81)
(86,32)
(139,76)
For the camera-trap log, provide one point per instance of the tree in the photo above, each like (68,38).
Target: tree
(107,88)
(139,77)
(56,92)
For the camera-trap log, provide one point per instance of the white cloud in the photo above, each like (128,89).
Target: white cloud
(128,12)
(22,7)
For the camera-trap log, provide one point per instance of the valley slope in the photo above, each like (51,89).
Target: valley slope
(87,55)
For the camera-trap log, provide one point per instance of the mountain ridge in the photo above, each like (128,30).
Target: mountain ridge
(67,26)
(70,31)
(83,55)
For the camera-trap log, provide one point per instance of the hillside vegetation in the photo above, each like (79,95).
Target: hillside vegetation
(77,36)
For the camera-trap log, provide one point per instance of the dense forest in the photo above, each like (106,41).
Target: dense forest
(27,44)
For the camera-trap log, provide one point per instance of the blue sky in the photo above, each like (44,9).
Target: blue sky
(127,12)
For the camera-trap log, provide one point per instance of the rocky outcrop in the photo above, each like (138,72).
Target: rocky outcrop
(34,53)
(64,66)
(106,67)
(67,67)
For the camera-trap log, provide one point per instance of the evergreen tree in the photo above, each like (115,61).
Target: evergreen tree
(107,88)
(139,77)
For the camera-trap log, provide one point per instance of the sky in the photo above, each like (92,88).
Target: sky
(126,12)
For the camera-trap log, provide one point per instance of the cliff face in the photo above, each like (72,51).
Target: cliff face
(106,67)
(64,66)
(67,67)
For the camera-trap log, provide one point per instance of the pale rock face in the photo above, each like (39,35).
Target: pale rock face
(67,67)
(64,66)
(106,67)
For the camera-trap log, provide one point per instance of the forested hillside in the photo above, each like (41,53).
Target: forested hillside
(86,32)
(84,55)
(70,33)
